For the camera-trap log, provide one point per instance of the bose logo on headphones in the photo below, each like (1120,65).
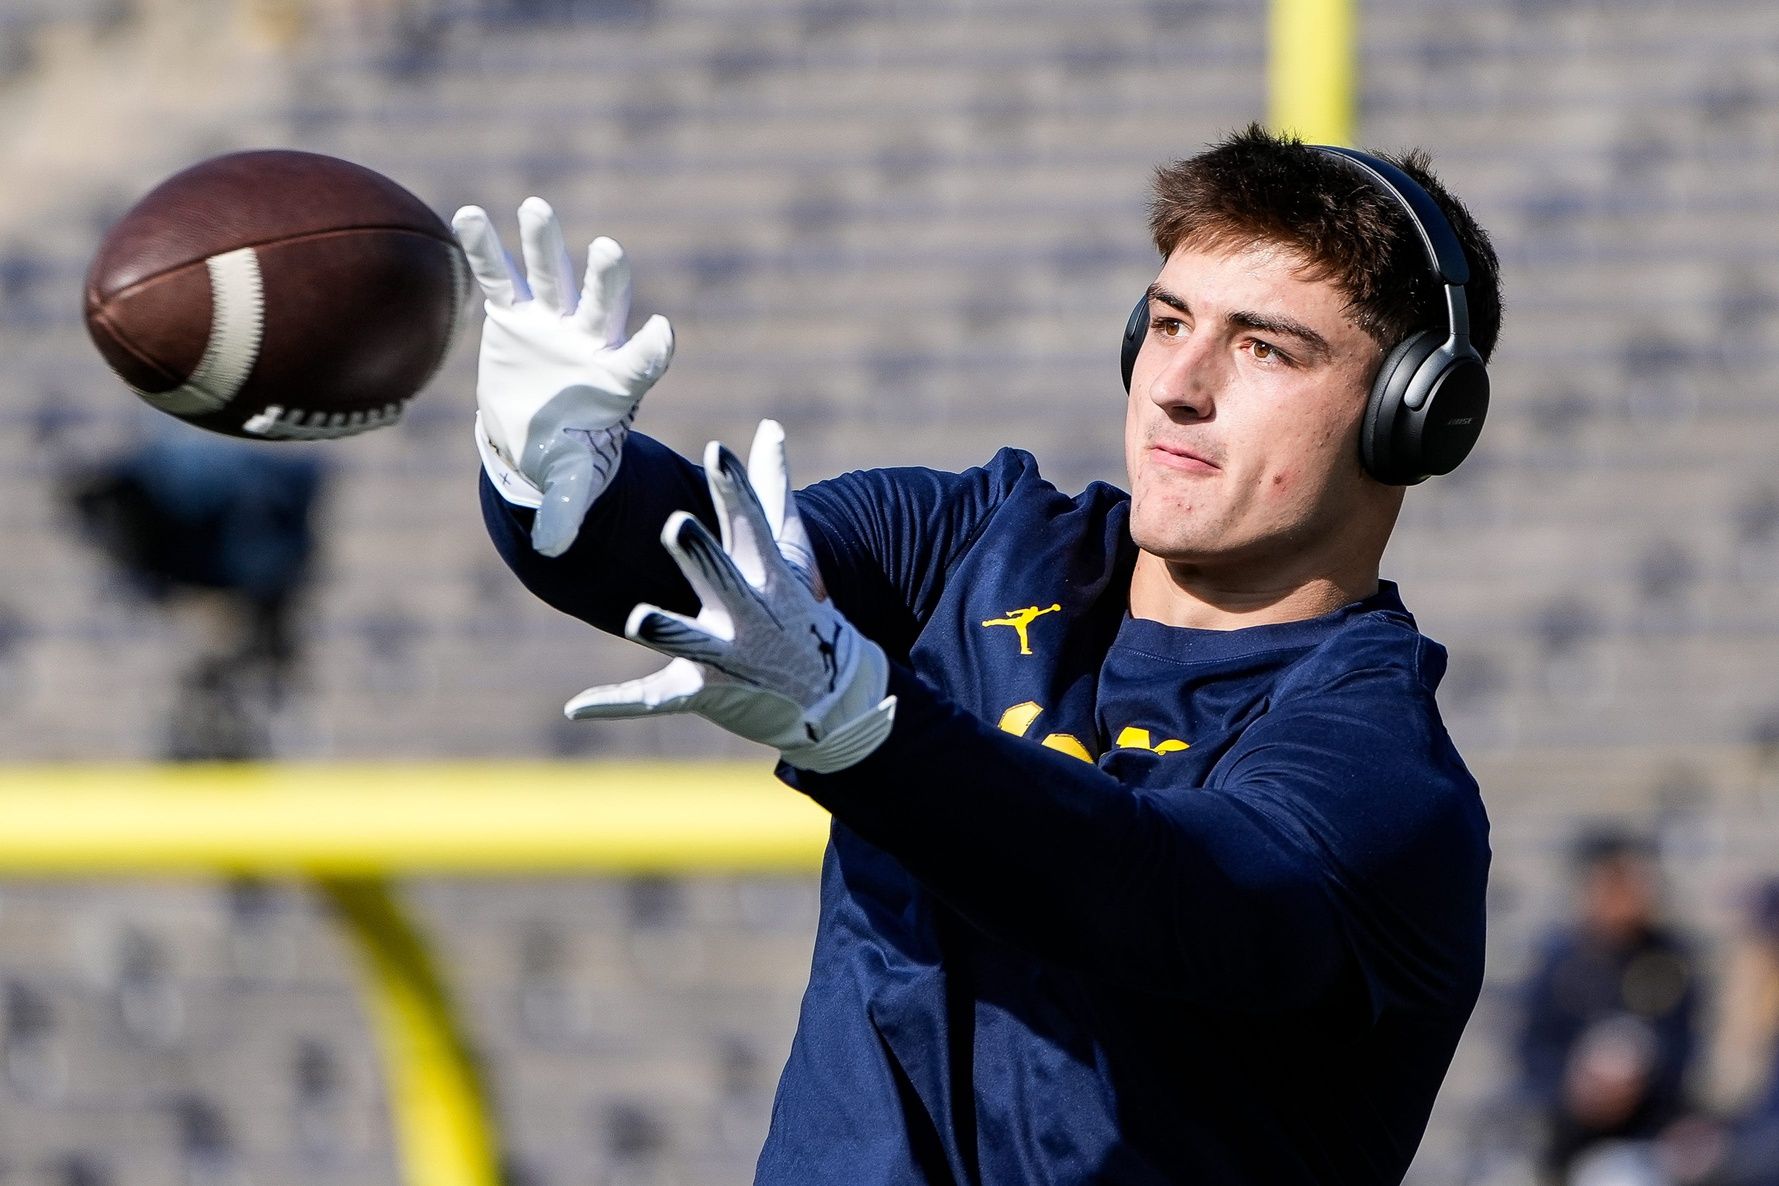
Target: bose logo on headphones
(1461,420)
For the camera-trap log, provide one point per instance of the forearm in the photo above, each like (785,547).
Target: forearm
(616,560)
(1188,892)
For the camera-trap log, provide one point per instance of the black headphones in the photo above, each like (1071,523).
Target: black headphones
(1431,394)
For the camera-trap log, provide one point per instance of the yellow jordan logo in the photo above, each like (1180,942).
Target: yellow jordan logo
(1021,620)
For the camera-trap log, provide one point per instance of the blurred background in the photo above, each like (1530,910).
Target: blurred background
(910,229)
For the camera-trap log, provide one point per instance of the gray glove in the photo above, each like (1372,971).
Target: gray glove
(768,657)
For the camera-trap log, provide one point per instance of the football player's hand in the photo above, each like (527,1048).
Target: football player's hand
(558,381)
(768,657)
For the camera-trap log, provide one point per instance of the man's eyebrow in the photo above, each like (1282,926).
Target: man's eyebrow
(1158,293)
(1269,323)
(1313,342)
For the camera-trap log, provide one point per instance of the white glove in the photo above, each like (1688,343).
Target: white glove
(768,657)
(558,384)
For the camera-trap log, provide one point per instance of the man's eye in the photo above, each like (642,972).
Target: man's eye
(1267,352)
(1169,327)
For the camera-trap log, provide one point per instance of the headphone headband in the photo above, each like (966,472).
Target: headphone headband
(1444,251)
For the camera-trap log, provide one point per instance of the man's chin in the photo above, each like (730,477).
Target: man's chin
(1175,546)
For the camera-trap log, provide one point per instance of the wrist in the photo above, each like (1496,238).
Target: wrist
(508,482)
(856,719)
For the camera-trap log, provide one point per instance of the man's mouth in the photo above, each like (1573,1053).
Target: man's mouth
(1182,458)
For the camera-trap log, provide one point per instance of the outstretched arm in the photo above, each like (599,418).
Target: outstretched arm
(616,559)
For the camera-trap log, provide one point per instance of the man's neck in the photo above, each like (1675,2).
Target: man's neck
(1189,595)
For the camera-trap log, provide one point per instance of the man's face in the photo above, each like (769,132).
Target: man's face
(1242,427)
(1618,898)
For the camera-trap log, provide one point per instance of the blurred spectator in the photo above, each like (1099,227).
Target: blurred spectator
(1744,1149)
(1609,1024)
(188,512)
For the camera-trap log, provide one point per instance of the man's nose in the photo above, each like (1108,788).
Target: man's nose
(1190,378)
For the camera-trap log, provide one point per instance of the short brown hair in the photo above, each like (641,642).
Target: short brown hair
(1257,187)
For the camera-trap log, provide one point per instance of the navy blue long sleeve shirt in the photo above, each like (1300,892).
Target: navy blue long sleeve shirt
(1116,902)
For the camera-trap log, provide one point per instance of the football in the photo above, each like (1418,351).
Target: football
(277,295)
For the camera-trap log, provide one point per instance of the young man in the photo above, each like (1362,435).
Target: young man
(1151,860)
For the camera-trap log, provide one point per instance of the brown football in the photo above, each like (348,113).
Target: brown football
(277,295)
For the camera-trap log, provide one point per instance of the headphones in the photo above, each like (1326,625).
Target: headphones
(1427,404)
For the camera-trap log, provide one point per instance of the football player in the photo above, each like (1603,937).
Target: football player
(1151,860)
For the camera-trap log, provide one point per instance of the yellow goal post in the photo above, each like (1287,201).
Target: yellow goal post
(348,828)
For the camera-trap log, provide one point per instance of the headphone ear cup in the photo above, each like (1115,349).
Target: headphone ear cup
(1444,428)
(1381,449)
(1136,328)
(1426,410)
